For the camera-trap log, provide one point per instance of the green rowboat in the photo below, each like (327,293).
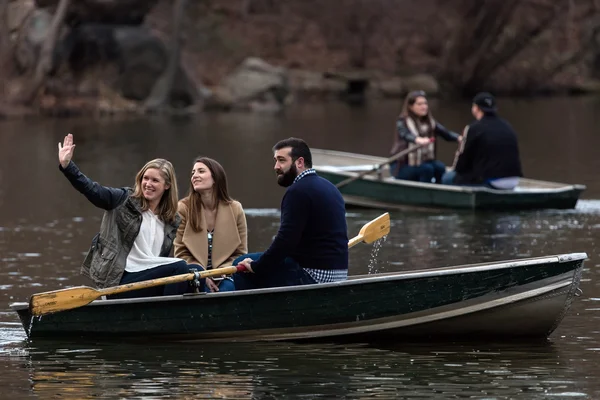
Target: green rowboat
(380,190)
(517,299)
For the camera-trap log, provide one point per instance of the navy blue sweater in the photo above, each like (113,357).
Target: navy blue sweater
(313,228)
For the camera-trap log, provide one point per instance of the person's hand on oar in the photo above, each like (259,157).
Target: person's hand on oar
(246,264)
(65,151)
(423,140)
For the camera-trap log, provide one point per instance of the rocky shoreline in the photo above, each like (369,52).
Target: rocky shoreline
(107,61)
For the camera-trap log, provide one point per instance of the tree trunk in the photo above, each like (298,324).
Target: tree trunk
(162,88)
(5,45)
(465,56)
(468,64)
(44,63)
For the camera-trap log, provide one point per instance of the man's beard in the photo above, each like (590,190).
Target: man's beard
(287,178)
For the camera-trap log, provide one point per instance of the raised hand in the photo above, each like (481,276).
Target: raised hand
(65,151)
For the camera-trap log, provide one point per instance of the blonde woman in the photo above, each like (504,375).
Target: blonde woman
(137,230)
(213,226)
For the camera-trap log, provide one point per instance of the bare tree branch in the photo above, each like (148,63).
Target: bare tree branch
(5,43)
(513,47)
(163,86)
(44,64)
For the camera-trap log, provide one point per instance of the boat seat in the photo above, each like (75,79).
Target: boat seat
(350,168)
(521,189)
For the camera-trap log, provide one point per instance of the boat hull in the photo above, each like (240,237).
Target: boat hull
(393,194)
(516,299)
(381,191)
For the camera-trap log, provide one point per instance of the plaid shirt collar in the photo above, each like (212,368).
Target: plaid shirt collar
(309,171)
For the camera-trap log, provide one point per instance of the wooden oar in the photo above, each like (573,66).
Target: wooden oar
(66,299)
(383,164)
(372,231)
(461,147)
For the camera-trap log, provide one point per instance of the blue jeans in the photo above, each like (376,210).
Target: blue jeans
(288,273)
(448,178)
(162,271)
(429,171)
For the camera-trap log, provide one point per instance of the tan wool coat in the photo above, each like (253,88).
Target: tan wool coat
(230,238)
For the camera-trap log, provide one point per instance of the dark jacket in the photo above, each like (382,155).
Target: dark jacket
(404,136)
(313,228)
(491,151)
(106,259)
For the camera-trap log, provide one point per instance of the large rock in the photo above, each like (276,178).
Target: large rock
(126,12)
(305,82)
(422,82)
(255,84)
(137,57)
(391,87)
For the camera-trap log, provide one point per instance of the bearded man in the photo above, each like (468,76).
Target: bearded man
(311,245)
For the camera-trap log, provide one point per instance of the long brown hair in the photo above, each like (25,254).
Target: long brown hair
(220,192)
(409,101)
(167,208)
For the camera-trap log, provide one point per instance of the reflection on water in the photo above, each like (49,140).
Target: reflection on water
(499,371)
(45,229)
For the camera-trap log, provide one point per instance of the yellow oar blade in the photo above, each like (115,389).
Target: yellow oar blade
(372,231)
(60,300)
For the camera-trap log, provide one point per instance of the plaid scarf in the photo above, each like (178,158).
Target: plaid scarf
(419,129)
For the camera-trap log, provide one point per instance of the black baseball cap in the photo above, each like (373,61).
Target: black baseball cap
(486,102)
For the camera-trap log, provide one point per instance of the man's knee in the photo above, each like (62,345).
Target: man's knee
(448,178)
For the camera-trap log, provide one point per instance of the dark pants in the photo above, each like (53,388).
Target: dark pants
(429,171)
(162,271)
(289,273)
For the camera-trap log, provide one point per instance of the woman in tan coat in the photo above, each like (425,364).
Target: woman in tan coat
(213,229)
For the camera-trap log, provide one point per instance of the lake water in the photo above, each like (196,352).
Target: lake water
(46,226)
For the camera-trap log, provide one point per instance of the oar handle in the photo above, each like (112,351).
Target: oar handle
(355,240)
(172,279)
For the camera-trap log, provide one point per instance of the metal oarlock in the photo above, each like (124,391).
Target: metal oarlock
(196,281)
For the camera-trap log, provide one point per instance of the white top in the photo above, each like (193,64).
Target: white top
(507,183)
(146,249)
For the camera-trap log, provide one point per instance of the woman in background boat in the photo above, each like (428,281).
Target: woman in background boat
(137,230)
(417,127)
(213,227)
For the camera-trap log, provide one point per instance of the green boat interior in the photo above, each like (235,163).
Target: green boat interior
(349,163)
